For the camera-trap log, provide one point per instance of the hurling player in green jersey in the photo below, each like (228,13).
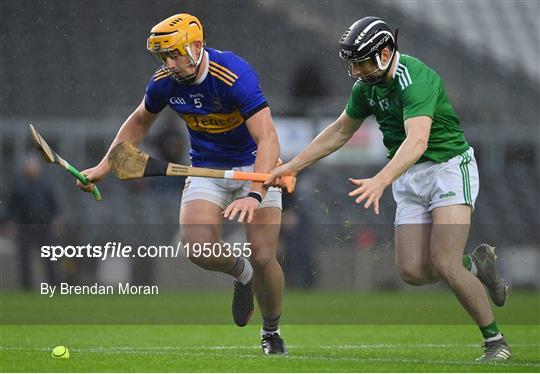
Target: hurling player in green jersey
(432,171)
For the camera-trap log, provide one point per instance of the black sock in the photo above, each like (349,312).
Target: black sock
(271,324)
(237,268)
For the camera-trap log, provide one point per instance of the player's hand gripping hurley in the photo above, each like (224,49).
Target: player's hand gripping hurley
(51,156)
(128,162)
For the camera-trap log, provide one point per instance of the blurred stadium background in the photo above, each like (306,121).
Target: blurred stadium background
(76,70)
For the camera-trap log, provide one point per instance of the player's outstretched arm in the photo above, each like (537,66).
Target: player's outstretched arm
(417,130)
(133,131)
(413,147)
(328,141)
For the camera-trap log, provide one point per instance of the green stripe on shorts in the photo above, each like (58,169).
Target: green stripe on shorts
(464,167)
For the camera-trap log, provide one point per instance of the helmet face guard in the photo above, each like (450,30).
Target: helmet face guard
(171,39)
(366,71)
(361,47)
(162,55)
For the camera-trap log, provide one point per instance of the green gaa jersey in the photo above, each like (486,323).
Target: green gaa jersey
(415,90)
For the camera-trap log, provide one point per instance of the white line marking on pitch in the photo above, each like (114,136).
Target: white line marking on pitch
(235,347)
(313,358)
(187,351)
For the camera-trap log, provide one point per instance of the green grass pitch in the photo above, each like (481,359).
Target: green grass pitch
(451,345)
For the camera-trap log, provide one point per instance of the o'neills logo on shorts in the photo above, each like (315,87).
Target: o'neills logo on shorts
(448,194)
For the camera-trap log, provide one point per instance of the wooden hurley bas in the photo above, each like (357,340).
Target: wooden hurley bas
(128,162)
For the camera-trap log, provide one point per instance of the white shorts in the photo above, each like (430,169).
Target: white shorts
(429,185)
(223,192)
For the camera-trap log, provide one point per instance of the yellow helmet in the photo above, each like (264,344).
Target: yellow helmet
(176,33)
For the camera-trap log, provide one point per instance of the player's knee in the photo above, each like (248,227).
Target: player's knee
(193,243)
(261,259)
(412,276)
(194,239)
(444,267)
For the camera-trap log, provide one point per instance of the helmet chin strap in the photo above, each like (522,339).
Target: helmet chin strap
(380,64)
(385,68)
(197,63)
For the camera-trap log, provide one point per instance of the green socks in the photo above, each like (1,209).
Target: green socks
(467,262)
(491,331)
(469,265)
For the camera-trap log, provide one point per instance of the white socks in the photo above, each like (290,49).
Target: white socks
(474,269)
(493,338)
(264,332)
(246,274)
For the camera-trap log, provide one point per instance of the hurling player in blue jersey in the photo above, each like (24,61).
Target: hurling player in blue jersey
(218,96)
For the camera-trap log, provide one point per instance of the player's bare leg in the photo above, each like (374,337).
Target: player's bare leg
(201,222)
(413,258)
(413,261)
(448,238)
(263,234)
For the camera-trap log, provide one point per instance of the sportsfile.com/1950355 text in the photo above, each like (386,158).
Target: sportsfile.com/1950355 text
(119,250)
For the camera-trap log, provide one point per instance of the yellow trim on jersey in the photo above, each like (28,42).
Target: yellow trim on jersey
(213,123)
(220,76)
(221,79)
(159,71)
(224,69)
(161,77)
(160,74)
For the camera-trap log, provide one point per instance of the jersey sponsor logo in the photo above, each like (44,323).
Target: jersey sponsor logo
(176,100)
(213,123)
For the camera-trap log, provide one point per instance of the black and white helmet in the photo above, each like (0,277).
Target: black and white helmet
(363,42)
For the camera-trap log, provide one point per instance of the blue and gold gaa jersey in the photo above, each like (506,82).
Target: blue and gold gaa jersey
(215,110)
